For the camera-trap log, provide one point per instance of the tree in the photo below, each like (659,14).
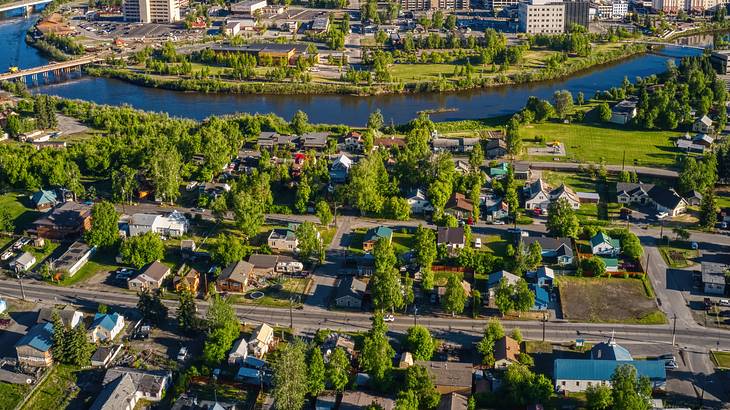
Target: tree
(249,213)
(227,249)
(165,165)
(476,158)
(398,208)
(604,112)
(338,369)
(385,283)
(104,232)
(407,400)
(681,234)
(594,265)
(581,98)
(504,296)
(522,387)
(420,343)
(450,22)
(563,101)
(708,209)
(562,220)
(299,122)
(419,380)
(78,347)
(323,213)
(187,312)
(59,347)
(151,307)
(290,377)
(598,397)
(316,372)
(455,297)
(425,250)
(375,120)
(7,224)
(517,335)
(223,330)
(141,250)
(377,354)
(219,208)
(408,294)
(309,240)
(523,297)
(492,332)
(629,391)
(534,256)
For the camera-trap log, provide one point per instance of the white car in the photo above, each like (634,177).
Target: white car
(724,302)
(389,318)
(183,354)
(498,222)
(478,243)
(662,215)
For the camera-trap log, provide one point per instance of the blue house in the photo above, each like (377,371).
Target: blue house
(542,298)
(373,235)
(34,349)
(576,375)
(543,276)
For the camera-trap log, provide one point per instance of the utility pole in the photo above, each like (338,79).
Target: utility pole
(291,314)
(415,316)
(544,322)
(674,330)
(623,162)
(22,290)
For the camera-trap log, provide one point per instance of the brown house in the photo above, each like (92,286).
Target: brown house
(234,277)
(34,349)
(150,278)
(66,221)
(459,206)
(450,377)
(506,352)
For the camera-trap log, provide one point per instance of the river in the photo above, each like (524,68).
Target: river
(341,109)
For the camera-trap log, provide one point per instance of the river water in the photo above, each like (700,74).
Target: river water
(341,109)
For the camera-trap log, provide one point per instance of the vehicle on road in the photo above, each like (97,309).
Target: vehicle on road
(662,215)
(498,222)
(695,246)
(478,243)
(670,364)
(182,355)
(725,302)
(389,318)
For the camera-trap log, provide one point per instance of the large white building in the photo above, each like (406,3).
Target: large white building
(497,5)
(541,17)
(434,4)
(673,6)
(152,11)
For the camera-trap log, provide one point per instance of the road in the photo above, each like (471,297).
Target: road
(572,166)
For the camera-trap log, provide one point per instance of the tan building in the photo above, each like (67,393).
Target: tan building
(34,349)
(151,277)
(541,17)
(152,11)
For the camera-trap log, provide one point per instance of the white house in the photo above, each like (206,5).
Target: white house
(340,169)
(239,352)
(150,278)
(124,387)
(576,375)
(623,112)
(604,245)
(540,195)
(419,202)
(260,340)
(283,239)
(703,125)
(106,327)
(23,262)
(173,225)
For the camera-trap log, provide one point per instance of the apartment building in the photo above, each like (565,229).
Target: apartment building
(152,11)
(498,5)
(434,4)
(576,12)
(541,17)
(673,6)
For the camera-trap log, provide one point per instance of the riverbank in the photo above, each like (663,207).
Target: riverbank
(217,85)
(707,28)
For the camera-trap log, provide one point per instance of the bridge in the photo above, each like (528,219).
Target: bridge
(667,44)
(56,68)
(21,4)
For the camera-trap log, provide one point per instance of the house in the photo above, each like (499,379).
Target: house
(350,293)
(74,258)
(542,298)
(610,351)
(151,277)
(247,7)
(356,400)
(354,141)
(589,197)
(239,352)
(453,401)
(611,264)
(694,198)
(267,265)
(406,360)
(623,112)
(44,199)
(604,245)
(496,210)
(495,279)
(458,206)
(320,24)
(499,171)
(522,170)
(543,276)
(104,355)
(699,143)
(172,225)
(261,340)
(633,193)
(247,375)
(703,125)
(106,327)
(389,142)
(69,316)
(340,169)
(506,352)
(713,277)
(187,278)
(461,167)
(187,248)
(270,140)
(373,235)
(576,375)
(314,140)
(450,377)
(554,250)
(65,221)
(495,148)
(419,202)
(539,195)
(124,387)
(23,263)
(283,239)
(234,277)
(212,190)
(34,349)
(445,144)
(668,200)
(451,238)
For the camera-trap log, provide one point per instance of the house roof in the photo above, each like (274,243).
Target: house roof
(601,238)
(581,369)
(416,194)
(705,120)
(156,271)
(145,381)
(545,272)
(506,348)
(143,219)
(342,161)
(352,400)
(39,337)
(453,374)
(450,236)
(494,143)
(496,277)
(566,191)
(263,333)
(236,271)
(453,401)
(541,296)
(116,394)
(105,321)
(610,351)
(44,197)
(459,201)
(373,234)
(261,261)
(240,347)
(25,259)
(610,262)
(632,189)
(77,251)
(66,314)
(625,106)
(666,197)
(560,245)
(352,287)
(713,272)
(283,233)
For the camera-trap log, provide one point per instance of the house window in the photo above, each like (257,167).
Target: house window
(577,383)
(563,383)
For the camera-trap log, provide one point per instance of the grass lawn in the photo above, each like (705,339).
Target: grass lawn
(678,254)
(12,394)
(721,359)
(327,235)
(430,72)
(591,142)
(15,204)
(57,390)
(537,346)
(43,252)
(440,278)
(579,183)
(355,243)
(102,261)
(275,295)
(607,300)
(402,242)
(494,244)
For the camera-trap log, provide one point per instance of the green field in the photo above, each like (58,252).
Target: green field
(56,391)
(593,142)
(278,295)
(15,203)
(721,359)
(11,395)
(429,72)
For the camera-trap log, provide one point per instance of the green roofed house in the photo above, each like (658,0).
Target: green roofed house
(576,375)
(44,199)
(373,235)
(611,264)
(604,245)
(499,171)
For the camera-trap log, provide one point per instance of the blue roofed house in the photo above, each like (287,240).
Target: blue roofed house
(248,375)
(543,276)
(34,349)
(542,297)
(340,169)
(604,245)
(373,235)
(576,375)
(106,327)
(610,351)
(44,199)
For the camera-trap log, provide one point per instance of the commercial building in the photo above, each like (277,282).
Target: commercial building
(74,258)
(151,11)
(541,17)
(720,60)
(673,6)
(497,5)
(434,4)
(276,52)
(248,7)
(576,12)
(576,375)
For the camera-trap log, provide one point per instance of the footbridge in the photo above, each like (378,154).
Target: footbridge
(55,68)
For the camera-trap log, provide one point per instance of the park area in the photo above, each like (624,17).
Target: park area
(607,300)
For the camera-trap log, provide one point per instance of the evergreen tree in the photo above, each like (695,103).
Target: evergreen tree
(290,377)
(338,369)
(708,209)
(59,349)
(151,307)
(377,353)
(316,375)
(79,348)
(187,316)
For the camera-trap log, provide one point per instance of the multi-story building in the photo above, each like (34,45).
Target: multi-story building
(152,11)
(541,17)
(497,5)
(673,6)
(434,4)
(576,12)
(619,9)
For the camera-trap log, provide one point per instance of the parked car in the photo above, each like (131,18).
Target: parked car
(725,302)
(670,364)
(182,354)
(478,243)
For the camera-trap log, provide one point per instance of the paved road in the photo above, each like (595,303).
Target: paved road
(571,166)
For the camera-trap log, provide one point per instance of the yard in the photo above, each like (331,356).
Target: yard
(607,300)
(101,261)
(11,394)
(15,203)
(721,359)
(277,295)
(593,142)
(679,254)
(56,391)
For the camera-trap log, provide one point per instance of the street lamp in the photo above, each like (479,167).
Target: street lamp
(415,316)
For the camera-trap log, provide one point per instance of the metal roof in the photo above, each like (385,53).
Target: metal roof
(581,369)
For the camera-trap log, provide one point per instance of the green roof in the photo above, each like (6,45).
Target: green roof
(600,238)
(611,262)
(380,232)
(582,369)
